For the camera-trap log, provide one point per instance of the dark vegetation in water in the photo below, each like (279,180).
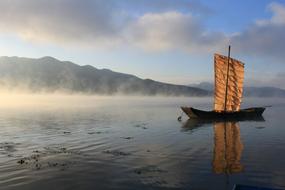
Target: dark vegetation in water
(127,138)
(8,146)
(40,159)
(97,132)
(117,153)
(149,169)
(142,125)
(59,156)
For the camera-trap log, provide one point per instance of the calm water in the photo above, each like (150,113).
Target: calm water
(136,143)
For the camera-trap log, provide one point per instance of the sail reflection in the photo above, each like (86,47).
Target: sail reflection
(228,148)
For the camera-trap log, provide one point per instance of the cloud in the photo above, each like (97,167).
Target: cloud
(172,30)
(265,37)
(96,22)
(278,15)
(62,21)
(158,6)
(153,25)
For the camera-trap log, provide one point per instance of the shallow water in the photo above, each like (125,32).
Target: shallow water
(136,143)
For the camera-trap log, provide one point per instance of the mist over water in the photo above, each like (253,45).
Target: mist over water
(85,142)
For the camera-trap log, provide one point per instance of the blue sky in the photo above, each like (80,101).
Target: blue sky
(234,16)
(167,40)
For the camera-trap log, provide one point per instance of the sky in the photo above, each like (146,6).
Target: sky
(166,40)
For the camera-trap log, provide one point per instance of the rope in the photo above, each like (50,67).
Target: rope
(269,106)
(180,117)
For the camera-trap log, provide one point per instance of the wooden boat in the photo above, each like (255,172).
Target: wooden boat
(229,76)
(249,113)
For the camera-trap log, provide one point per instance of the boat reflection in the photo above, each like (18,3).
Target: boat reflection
(228,146)
(195,123)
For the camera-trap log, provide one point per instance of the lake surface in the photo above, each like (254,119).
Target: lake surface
(136,143)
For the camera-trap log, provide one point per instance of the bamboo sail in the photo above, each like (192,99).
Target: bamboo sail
(235,83)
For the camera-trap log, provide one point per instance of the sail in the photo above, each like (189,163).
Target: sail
(235,83)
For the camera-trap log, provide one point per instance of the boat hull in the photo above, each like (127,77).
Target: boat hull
(242,114)
(247,187)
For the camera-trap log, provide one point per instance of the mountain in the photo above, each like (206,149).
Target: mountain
(264,92)
(204,85)
(50,75)
(248,91)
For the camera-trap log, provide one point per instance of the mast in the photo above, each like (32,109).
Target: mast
(229,54)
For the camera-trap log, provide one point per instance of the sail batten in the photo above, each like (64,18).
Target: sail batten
(235,78)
